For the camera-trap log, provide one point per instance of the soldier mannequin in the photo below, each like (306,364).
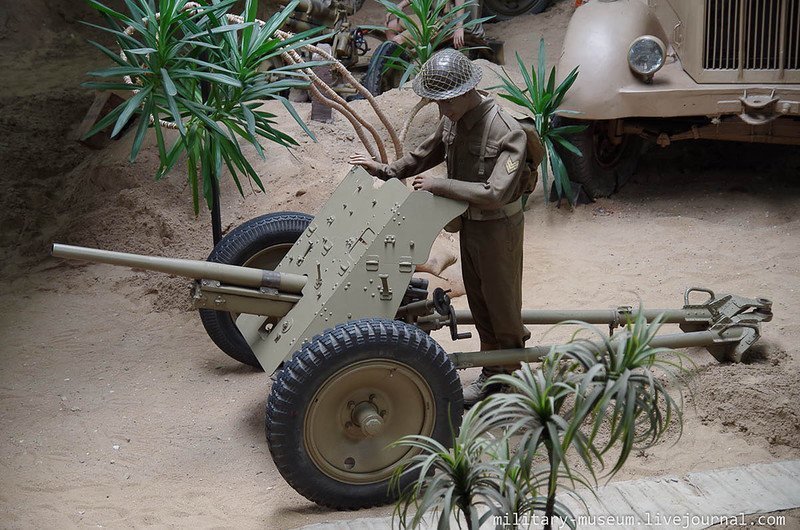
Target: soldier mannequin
(485,154)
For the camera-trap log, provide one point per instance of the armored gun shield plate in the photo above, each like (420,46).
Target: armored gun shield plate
(359,255)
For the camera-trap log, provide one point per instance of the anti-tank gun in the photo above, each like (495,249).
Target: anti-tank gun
(347,42)
(331,305)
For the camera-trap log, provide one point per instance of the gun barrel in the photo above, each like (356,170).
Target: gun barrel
(231,274)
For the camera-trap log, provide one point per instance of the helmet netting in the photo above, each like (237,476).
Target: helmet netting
(447,74)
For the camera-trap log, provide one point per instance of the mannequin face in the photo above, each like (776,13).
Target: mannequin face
(456,107)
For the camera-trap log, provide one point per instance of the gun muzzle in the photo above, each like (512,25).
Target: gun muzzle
(205,270)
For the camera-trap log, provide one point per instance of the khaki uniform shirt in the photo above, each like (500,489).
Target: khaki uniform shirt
(491,250)
(506,175)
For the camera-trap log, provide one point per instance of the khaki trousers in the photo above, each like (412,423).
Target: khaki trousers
(491,263)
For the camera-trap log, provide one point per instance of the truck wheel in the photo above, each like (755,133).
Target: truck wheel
(507,9)
(346,396)
(605,165)
(261,243)
(378,78)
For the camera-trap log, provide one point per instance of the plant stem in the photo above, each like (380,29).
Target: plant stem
(216,216)
(551,488)
(421,103)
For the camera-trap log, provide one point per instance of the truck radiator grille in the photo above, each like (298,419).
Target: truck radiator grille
(752,35)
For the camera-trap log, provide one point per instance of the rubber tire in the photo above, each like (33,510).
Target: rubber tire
(376,80)
(323,357)
(504,14)
(236,248)
(598,180)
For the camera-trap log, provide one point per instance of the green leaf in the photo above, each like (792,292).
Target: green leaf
(140,51)
(107,120)
(250,120)
(162,148)
(210,76)
(192,161)
(141,130)
(169,86)
(108,53)
(566,144)
(108,11)
(97,85)
(131,106)
(288,105)
(197,112)
(172,158)
(542,63)
(176,115)
(125,40)
(119,71)
(226,28)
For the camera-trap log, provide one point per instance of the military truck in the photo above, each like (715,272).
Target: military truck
(662,71)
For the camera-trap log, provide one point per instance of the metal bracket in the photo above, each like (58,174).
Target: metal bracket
(384,289)
(727,313)
(758,109)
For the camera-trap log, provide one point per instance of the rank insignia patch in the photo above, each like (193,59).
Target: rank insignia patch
(511,165)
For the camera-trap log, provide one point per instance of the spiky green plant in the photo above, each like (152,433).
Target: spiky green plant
(619,383)
(550,416)
(584,385)
(537,410)
(453,481)
(541,98)
(193,68)
(428,26)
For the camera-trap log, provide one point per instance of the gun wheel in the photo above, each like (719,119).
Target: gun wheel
(261,243)
(380,77)
(346,396)
(508,9)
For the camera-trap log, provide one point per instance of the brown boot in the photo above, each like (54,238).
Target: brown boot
(478,390)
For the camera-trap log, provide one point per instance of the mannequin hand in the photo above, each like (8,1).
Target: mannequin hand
(367,162)
(426,183)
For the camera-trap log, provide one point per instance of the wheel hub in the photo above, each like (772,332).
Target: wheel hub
(367,416)
(359,412)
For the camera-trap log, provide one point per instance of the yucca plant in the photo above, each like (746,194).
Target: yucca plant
(523,488)
(191,69)
(428,27)
(453,481)
(541,97)
(538,410)
(550,416)
(620,384)
(584,385)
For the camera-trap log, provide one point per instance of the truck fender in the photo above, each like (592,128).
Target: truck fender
(597,41)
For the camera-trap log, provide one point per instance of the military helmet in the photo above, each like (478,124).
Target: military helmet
(447,74)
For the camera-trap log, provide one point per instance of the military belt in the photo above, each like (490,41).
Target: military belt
(474,213)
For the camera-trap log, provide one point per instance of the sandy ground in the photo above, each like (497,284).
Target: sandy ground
(116,410)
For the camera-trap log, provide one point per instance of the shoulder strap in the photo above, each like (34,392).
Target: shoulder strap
(482,164)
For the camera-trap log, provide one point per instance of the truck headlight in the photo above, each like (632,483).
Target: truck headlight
(646,56)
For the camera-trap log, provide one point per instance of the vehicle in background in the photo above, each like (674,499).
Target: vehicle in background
(348,41)
(506,9)
(670,70)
